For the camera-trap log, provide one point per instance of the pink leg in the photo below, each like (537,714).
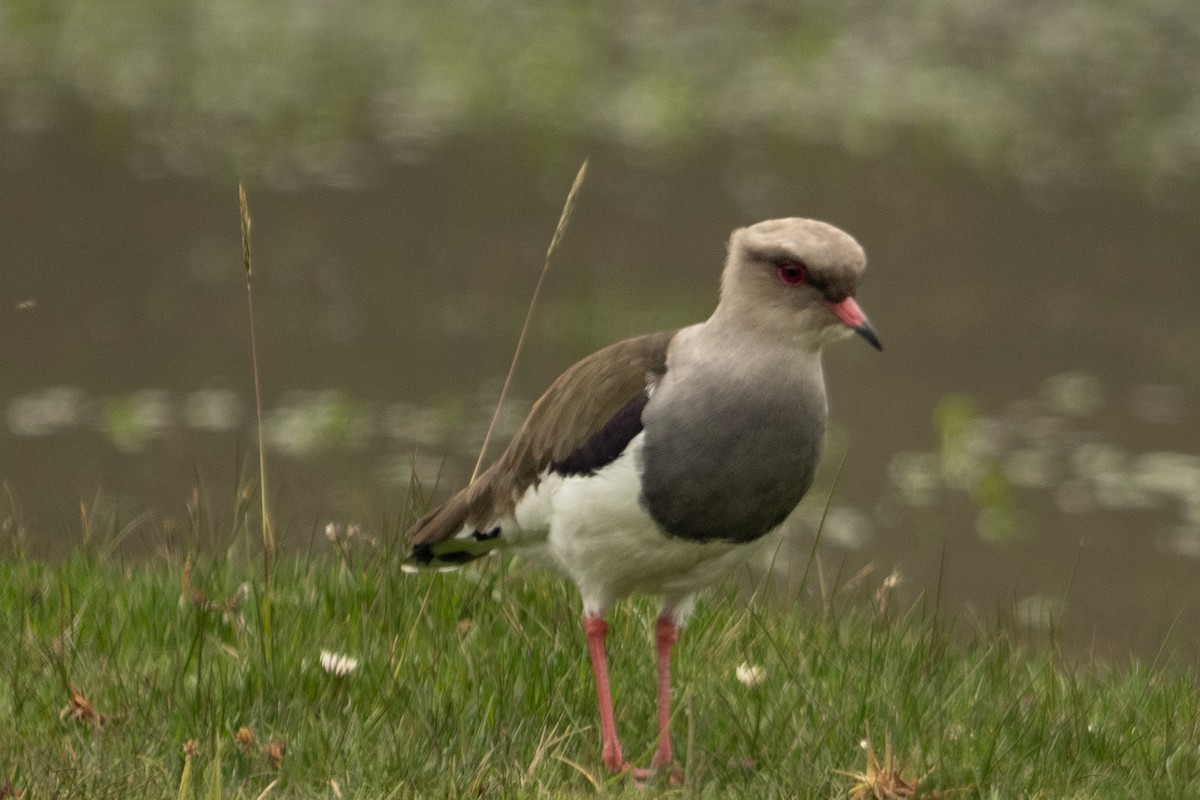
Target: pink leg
(596,629)
(665,634)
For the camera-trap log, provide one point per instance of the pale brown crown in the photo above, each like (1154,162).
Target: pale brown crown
(833,261)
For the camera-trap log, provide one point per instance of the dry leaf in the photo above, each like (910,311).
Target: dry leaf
(80,709)
(244,738)
(274,752)
(881,781)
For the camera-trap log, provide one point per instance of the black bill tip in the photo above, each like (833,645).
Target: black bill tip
(867,332)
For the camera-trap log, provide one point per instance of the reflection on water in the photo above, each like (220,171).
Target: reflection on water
(1036,445)
(1046,445)
(304,425)
(130,422)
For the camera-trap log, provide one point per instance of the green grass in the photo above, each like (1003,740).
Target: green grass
(476,684)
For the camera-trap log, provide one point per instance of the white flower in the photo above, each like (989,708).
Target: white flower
(338,664)
(337,532)
(892,580)
(750,674)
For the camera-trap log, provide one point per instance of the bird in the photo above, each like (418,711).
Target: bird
(651,466)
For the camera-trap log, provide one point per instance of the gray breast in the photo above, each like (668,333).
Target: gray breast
(729,461)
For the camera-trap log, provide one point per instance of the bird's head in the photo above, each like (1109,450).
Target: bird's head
(799,275)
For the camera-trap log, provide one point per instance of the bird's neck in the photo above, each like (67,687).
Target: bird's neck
(749,355)
(766,328)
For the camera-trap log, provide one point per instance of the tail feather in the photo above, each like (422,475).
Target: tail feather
(452,553)
(446,538)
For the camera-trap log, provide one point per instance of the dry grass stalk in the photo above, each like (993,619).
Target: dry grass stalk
(559,230)
(268,529)
(884,592)
(191,749)
(85,522)
(268,532)
(185,581)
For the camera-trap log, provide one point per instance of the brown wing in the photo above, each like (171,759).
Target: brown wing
(575,408)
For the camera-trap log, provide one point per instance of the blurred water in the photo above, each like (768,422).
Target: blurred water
(1029,439)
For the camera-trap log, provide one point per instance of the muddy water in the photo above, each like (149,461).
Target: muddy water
(1028,441)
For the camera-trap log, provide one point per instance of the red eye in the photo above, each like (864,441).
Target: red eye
(792,273)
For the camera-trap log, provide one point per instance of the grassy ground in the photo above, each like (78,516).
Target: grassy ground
(476,684)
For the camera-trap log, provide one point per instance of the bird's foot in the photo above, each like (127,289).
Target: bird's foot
(642,776)
(664,762)
(613,758)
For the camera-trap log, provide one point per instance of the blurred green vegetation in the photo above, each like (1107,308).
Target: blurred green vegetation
(966,466)
(301,91)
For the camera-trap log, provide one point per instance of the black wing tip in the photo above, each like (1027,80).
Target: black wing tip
(421,555)
(451,553)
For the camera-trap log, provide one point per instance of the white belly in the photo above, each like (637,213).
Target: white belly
(602,538)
